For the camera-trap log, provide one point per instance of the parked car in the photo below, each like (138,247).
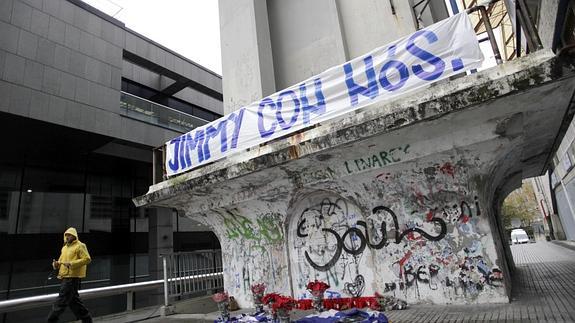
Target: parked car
(519,236)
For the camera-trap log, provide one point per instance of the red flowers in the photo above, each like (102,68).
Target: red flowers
(270,298)
(317,287)
(284,303)
(258,289)
(220,297)
(279,302)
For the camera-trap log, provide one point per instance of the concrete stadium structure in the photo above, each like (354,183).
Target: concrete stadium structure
(400,197)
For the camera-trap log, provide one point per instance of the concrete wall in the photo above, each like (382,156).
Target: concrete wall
(563,183)
(563,186)
(433,167)
(306,45)
(565,212)
(546,17)
(368,24)
(417,230)
(144,76)
(416,260)
(63,64)
(59,66)
(552,222)
(246,52)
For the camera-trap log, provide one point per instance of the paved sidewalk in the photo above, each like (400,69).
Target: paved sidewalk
(544,291)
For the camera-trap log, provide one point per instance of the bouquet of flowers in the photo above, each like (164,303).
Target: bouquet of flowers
(280,305)
(258,289)
(270,298)
(283,304)
(221,297)
(258,293)
(317,288)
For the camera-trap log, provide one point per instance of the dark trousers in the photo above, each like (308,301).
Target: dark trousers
(68,296)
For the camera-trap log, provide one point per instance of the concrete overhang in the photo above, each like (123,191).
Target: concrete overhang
(512,115)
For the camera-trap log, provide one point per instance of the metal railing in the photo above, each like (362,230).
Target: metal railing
(524,21)
(157,114)
(185,273)
(182,269)
(128,289)
(523,25)
(489,30)
(53,286)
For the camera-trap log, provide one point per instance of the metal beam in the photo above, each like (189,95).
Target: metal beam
(138,60)
(172,89)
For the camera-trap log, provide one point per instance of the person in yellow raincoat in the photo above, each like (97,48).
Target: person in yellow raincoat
(71,269)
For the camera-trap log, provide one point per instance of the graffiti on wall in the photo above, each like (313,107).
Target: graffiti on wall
(417,233)
(253,250)
(361,239)
(377,160)
(263,230)
(327,242)
(422,233)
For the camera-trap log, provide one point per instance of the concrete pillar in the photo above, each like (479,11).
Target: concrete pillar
(307,39)
(365,28)
(420,231)
(120,259)
(161,239)
(247,63)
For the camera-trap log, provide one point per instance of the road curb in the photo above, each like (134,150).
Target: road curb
(565,244)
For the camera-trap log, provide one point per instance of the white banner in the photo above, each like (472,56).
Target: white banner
(441,50)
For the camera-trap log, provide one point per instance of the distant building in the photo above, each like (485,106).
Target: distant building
(557,198)
(83,101)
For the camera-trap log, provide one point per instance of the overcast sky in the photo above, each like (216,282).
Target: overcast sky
(188,27)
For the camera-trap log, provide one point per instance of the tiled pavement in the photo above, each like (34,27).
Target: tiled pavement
(546,280)
(544,291)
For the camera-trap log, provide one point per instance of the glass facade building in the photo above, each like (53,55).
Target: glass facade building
(50,179)
(83,101)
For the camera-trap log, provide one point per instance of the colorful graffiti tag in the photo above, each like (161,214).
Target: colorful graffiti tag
(423,234)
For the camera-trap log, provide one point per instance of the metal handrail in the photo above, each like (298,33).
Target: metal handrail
(152,112)
(485,18)
(43,300)
(84,283)
(178,265)
(163,106)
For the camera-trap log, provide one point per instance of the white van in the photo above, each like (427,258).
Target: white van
(519,236)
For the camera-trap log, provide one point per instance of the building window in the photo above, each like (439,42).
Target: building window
(10,178)
(52,200)
(554,179)
(567,163)
(147,93)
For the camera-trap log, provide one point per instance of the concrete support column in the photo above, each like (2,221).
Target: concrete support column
(161,239)
(120,260)
(247,63)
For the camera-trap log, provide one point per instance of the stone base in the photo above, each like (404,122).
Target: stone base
(167,310)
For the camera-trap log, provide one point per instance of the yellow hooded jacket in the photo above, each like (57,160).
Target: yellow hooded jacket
(76,254)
